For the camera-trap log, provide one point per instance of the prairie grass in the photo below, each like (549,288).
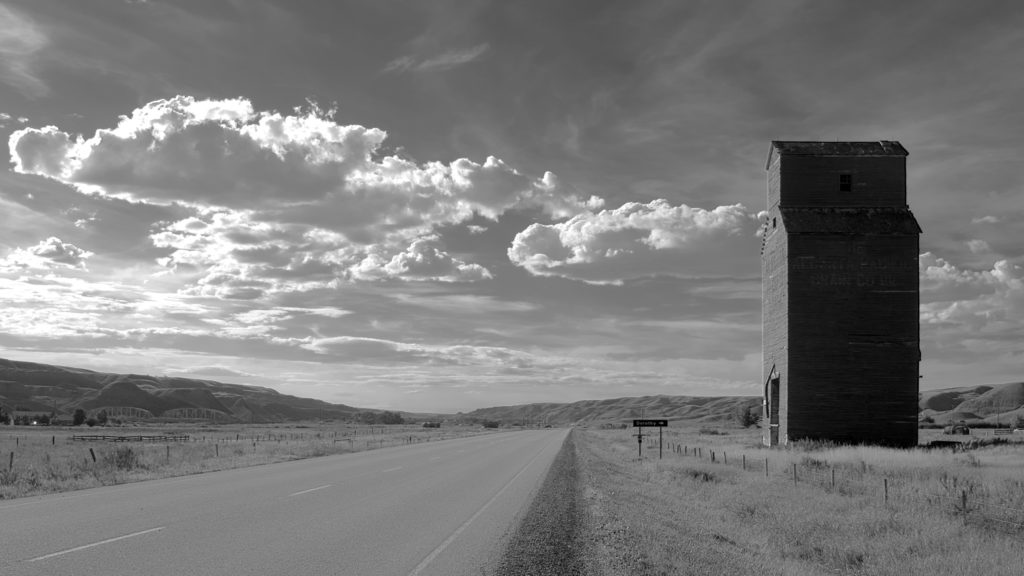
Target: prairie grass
(689,515)
(45,460)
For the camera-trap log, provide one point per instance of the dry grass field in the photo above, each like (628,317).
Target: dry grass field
(41,460)
(888,512)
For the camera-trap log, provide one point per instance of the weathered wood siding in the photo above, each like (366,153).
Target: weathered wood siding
(814,181)
(853,338)
(775,316)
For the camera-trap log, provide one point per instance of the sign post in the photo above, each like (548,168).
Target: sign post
(659,424)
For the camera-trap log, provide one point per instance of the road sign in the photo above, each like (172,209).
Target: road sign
(659,423)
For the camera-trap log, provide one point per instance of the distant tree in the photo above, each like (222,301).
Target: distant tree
(43,419)
(490,423)
(391,418)
(5,418)
(748,416)
(90,422)
(1019,422)
(101,418)
(78,418)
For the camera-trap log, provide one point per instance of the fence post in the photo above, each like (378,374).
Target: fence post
(10,463)
(963,503)
(725,458)
(765,466)
(216,450)
(712,455)
(93,454)
(53,440)
(833,478)
(885,484)
(168,453)
(794,473)
(744,462)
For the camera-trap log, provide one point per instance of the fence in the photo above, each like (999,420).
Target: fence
(965,500)
(116,438)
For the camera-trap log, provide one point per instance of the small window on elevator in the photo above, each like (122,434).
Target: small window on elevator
(845,182)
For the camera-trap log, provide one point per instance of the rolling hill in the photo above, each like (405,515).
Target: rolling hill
(1000,404)
(28,386)
(695,408)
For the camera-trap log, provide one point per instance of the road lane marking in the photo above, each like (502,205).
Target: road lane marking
(437,551)
(310,490)
(392,469)
(107,541)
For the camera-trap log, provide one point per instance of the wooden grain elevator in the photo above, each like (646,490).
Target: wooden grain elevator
(840,295)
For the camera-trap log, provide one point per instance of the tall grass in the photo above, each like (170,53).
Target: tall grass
(47,460)
(688,515)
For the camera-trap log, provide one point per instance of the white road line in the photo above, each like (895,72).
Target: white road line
(437,551)
(310,490)
(107,541)
(435,458)
(392,469)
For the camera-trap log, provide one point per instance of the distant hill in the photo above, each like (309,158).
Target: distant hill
(28,386)
(975,404)
(1002,404)
(693,408)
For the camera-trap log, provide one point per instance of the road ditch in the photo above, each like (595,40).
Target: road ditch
(548,540)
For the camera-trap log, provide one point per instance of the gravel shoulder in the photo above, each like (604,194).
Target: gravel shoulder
(548,540)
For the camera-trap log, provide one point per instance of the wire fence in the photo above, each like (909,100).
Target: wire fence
(962,499)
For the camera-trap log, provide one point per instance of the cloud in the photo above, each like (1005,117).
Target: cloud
(368,350)
(637,240)
(444,61)
(971,317)
(286,202)
(20,42)
(49,253)
(424,260)
(978,246)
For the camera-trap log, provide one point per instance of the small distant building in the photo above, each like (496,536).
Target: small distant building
(840,295)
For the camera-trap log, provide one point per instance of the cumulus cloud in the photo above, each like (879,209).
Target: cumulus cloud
(987,303)
(278,198)
(424,260)
(638,240)
(47,254)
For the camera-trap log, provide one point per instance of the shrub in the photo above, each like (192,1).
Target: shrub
(124,458)
(79,417)
(748,416)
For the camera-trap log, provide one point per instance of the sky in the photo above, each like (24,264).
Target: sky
(447,205)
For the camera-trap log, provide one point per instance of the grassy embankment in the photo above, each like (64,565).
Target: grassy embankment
(686,514)
(46,460)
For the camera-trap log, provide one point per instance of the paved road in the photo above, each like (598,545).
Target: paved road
(441,508)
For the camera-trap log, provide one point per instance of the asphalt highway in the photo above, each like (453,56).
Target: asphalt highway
(441,508)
